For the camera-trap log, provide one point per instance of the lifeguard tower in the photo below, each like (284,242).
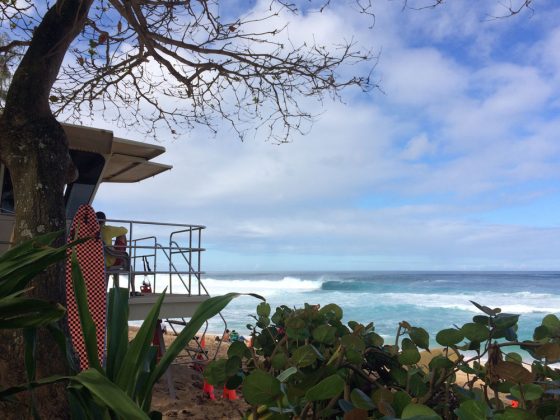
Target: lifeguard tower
(161,255)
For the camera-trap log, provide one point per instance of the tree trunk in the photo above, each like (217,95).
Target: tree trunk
(38,167)
(34,148)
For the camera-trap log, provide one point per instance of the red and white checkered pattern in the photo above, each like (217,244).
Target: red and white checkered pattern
(92,263)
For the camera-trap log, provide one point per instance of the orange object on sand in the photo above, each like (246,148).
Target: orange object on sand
(229,394)
(208,389)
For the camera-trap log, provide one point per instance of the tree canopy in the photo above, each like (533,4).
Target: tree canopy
(184,63)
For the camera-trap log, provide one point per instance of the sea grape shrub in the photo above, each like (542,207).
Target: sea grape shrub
(306,362)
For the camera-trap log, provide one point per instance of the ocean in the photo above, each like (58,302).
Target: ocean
(432,300)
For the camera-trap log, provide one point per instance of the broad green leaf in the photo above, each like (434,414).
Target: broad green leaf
(24,261)
(23,312)
(417,386)
(215,372)
(440,362)
(475,332)
(481,319)
(449,337)
(515,414)
(472,410)
(505,320)
(279,360)
(527,392)
(353,342)
(413,410)
(7,393)
(541,333)
(324,334)
(328,388)
(239,349)
(331,310)
(136,355)
(361,400)
(485,309)
(409,357)
(261,388)
(117,330)
(110,395)
(514,357)
(400,400)
(420,337)
(86,321)
(283,376)
(304,356)
(374,339)
(263,309)
(552,323)
(233,365)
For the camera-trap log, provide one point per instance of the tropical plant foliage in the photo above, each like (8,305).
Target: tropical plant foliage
(123,387)
(307,363)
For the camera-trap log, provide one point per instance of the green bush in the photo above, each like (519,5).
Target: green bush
(306,363)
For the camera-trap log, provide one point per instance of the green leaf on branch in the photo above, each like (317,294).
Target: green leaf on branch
(324,334)
(552,323)
(239,349)
(472,410)
(263,309)
(541,333)
(527,392)
(361,400)
(485,309)
(420,337)
(353,342)
(449,337)
(261,388)
(475,332)
(326,389)
(410,354)
(215,372)
(414,410)
(110,395)
(504,321)
(332,311)
(279,360)
(304,356)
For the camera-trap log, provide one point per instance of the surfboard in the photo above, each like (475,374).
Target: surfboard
(92,262)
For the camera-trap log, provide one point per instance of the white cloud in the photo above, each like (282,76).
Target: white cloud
(407,175)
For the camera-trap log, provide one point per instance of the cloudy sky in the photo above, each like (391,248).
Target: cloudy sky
(453,164)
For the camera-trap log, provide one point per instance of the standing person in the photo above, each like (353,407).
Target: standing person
(116,255)
(109,232)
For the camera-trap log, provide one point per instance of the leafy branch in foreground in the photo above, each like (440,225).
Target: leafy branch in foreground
(305,363)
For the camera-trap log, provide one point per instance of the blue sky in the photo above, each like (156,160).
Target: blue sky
(455,164)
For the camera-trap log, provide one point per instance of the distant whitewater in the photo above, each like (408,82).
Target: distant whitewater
(433,300)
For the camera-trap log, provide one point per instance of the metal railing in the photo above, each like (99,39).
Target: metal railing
(175,254)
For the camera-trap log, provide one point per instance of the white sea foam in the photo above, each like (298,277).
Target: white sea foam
(523,302)
(262,286)
(519,302)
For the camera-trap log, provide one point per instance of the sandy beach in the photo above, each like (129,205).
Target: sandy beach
(190,402)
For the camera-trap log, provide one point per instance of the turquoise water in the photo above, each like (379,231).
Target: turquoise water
(432,300)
